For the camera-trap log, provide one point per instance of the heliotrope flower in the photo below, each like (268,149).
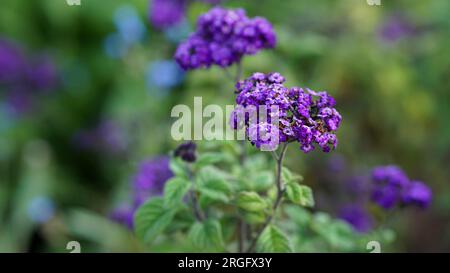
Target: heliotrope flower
(166,13)
(151,178)
(23,78)
(149,181)
(392,187)
(186,151)
(123,215)
(163,14)
(304,115)
(223,37)
(12,63)
(417,193)
(357,217)
(397,27)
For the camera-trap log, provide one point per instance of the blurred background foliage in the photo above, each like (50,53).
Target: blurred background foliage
(387,67)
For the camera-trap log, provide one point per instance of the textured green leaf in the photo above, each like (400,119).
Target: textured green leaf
(177,166)
(174,191)
(152,218)
(251,201)
(253,217)
(287,176)
(215,189)
(208,159)
(262,181)
(307,199)
(273,240)
(206,234)
(294,193)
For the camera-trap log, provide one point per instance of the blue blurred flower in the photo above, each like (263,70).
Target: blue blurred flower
(178,32)
(6,121)
(41,209)
(114,46)
(129,26)
(163,75)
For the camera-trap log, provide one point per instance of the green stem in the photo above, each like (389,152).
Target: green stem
(195,206)
(280,191)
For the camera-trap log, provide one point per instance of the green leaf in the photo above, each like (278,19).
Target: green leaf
(262,181)
(307,199)
(215,189)
(287,176)
(152,218)
(174,191)
(299,194)
(178,167)
(207,234)
(273,240)
(251,201)
(212,185)
(208,159)
(300,216)
(294,193)
(253,218)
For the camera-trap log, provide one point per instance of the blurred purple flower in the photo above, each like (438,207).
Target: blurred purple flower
(336,163)
(166,13)
(396,28)
(392,187)
(42,74)
(389,182)
(151,178)
(23,79)
(358,217)
(12,63)
(108,137)
(417,193)
(18,102)
(149,181)
(123,215)
(358,186)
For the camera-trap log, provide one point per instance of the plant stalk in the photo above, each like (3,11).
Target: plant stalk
(280,191)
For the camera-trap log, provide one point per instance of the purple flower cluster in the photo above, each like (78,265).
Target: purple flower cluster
(149,181)
(23,77)
(304,115)
(223,37)
(392,187)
